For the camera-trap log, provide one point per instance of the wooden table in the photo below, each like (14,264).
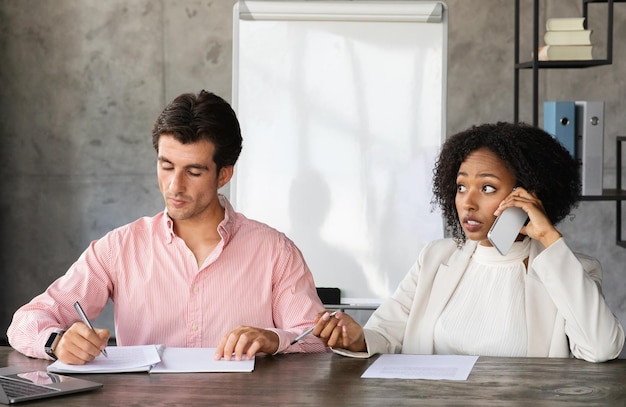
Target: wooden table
(331,380)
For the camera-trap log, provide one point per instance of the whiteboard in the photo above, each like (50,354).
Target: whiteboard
(342,112)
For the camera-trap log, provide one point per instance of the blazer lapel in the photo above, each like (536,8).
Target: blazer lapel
(445,282)
(540,311)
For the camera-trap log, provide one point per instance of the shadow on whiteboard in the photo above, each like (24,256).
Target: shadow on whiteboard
(366,248)
(309,209)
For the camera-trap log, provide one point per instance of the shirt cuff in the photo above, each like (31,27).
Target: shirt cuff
(283,340)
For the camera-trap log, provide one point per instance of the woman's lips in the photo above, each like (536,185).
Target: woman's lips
(471,224)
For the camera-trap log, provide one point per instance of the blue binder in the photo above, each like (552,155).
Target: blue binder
(559,120)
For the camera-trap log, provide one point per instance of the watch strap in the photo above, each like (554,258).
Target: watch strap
(52,342)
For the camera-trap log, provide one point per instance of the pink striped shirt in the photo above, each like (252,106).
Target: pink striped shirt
(255,276)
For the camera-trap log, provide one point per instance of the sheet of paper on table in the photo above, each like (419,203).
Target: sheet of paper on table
(431,367)
(182,360)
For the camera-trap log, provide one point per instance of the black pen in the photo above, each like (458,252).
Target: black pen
(308,331)
(85,320)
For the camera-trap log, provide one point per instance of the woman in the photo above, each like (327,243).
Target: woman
(462,296)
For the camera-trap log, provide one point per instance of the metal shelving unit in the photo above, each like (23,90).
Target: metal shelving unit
(618,194)
(536,65)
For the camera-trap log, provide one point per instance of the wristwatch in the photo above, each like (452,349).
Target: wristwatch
(52,342)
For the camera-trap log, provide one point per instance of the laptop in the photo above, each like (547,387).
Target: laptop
(17,385)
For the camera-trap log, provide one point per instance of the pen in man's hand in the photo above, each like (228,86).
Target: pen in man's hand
(85,320)
(308,331)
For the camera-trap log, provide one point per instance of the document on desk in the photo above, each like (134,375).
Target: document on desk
(155,359)
(121,359)
(430,367)
(200,360)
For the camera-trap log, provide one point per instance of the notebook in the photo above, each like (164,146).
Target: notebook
(19,384)
(155,359)
(120,359)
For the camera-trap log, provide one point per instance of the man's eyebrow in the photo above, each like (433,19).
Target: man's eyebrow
(197,167)
(190,166)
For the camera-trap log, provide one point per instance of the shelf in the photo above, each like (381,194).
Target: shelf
(603,1)
(607,195)
(563,64)
(535,65)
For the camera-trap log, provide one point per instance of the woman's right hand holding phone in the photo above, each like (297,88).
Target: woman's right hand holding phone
(539,226)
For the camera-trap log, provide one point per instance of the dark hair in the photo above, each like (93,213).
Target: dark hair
(205,116)
(539,163)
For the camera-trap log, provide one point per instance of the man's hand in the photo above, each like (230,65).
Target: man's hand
(246,340)
(80,345)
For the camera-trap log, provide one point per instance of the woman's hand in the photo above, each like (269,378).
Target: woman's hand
(539,226)
(340,331)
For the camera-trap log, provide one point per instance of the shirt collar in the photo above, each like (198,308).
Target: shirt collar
(225,228)
(168,225)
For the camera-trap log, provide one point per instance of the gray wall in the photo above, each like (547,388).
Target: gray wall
(82,82)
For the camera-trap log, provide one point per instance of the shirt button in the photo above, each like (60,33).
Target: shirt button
(194,327)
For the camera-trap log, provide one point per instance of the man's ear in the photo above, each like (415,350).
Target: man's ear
(226,173)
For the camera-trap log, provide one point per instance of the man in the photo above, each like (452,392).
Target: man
(196,275)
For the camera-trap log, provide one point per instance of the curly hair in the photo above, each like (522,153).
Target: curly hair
(539,163)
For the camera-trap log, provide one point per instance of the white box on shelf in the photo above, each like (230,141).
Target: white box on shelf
(590,136)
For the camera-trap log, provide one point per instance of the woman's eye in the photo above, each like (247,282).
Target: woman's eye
(489,189)
(460,188)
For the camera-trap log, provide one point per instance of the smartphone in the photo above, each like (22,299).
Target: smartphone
(506,228)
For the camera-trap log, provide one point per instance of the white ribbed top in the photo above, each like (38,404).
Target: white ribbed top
(486,314)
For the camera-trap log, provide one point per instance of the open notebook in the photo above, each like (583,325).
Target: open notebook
(155,359)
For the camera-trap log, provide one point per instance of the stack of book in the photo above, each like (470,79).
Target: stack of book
(566,39)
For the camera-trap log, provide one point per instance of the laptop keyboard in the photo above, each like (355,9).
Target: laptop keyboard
(17,388)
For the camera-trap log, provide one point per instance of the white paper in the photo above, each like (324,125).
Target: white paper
(430,367)
(120,359)
(181,360)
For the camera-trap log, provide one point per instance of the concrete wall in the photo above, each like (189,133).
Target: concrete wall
(83,80)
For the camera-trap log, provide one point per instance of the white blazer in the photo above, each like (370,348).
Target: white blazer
(566,313)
